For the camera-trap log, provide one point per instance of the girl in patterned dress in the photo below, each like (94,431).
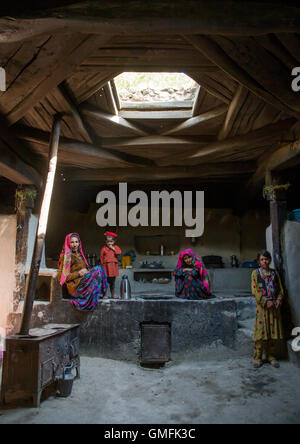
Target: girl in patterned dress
(268,292)
(191,278)
(86,286)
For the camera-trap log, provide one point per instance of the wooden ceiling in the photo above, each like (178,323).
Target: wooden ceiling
(245,108)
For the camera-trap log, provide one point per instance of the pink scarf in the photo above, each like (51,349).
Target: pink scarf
(66,257)
(197,263)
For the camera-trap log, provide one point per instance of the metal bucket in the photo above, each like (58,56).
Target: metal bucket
(65,382)
(65,387)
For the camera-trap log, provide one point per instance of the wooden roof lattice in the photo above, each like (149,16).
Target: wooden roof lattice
(63,61)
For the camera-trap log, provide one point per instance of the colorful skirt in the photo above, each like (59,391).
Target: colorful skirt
(91,288)
(191,288)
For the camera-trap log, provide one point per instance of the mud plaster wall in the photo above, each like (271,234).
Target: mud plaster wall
(224,234)
(7,265)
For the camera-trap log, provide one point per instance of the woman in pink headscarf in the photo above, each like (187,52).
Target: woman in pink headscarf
(191,277)
(86,286)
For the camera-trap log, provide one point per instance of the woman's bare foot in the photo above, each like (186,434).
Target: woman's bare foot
(257,364)
(274,363)
(113,295)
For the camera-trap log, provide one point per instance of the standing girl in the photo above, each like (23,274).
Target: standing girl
(85,286)
(109,259)
(268,292)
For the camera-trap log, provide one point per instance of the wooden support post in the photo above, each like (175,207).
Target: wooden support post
(25,199)
(277,216)
(278,210)
(277,198)
(42,228)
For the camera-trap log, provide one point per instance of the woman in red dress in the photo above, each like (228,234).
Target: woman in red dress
(109,260)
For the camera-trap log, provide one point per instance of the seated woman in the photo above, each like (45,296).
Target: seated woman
(191,277)
(85,286)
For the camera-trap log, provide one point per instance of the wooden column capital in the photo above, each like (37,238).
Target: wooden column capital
(25,197)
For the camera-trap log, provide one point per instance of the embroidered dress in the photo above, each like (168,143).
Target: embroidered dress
(267,286)
(192,284)
(92,287)
(85,290)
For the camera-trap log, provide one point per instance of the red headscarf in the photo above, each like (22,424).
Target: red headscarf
(197,263)
(66,257)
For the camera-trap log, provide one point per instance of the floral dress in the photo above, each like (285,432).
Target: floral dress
(85,291)
(188,284)
(267,287)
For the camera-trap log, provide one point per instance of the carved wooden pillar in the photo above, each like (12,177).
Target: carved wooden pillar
(25,200)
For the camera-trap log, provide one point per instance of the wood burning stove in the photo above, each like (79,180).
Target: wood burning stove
(35,362)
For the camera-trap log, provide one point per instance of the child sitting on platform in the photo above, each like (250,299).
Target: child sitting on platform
(268,292)
(109,260)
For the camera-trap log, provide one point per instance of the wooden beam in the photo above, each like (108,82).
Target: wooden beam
(84,86)
(75,147)
(213,87)
(54,72)
(274,161)
(14,169)
(198,101)
(153,174)
(215,53)
(145,58)
(227,18)
(260,137)
(159,106)
(114,121)
(239,98)
(291,42)
(111,103)
(272,43)
(21,150)
(115,94)
(193,121)
(283,155)
(67,96)
(159,115)
(158,142)
(266,70)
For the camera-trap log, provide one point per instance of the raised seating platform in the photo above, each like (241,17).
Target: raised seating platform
(113,330)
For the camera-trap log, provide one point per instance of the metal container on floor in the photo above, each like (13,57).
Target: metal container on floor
(65,382)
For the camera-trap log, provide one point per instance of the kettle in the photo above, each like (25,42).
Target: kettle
(65,382)
(125,289)
(234,261)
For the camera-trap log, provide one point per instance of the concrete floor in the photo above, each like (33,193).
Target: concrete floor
(197,391)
